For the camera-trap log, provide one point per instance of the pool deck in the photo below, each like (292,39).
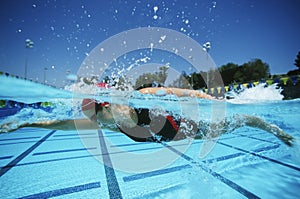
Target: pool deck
(39,163)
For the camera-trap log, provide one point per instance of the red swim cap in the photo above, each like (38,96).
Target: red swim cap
(103,85)
(104,104)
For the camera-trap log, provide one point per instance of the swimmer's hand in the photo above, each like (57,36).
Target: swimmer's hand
(12,126)
(66,125)
(280,134)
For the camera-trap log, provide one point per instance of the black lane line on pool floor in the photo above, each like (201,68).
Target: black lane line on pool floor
(174,169)
(24,154)
(23,138)
(254,138)
(261,156)
(64,191)
(234,155)
(160,192)
(111,179)
(228,182)
(74,134)
(52,140)
(155,173)
(84,156)
(63,151)
(6,157)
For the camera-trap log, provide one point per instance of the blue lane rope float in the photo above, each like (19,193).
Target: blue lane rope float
(8,107)
(9,104)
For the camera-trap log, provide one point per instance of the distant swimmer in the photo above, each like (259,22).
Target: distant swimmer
(175,91)
(144,125)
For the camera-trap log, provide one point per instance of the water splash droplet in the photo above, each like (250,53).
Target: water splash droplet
(214,4)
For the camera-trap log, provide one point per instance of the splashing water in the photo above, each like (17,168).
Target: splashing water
(260,93)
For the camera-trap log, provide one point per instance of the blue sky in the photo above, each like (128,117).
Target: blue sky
(64,32)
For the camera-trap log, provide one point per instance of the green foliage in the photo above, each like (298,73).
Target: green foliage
(228,71)
(253,70)
(122,83)
(294,72)
(148,78)
(197,80)
(297,61)
(91,80)
(107,79)
(162,74)
(181,82)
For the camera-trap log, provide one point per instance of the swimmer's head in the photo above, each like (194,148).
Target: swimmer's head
(109,113)
(104,113)
(116,114)
(91,108)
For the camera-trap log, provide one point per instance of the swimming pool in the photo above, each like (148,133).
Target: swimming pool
(75,45)
(248,163)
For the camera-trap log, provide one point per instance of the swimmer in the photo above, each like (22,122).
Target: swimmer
(144,125)
(179,92)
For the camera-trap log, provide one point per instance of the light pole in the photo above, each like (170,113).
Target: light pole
(206,47)
(29,45)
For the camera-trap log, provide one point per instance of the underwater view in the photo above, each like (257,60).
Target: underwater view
(150,99)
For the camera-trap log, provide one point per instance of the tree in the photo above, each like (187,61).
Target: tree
(254,70)
(122,83)
(144,79)
(228,71)
(148,78)
(196,80)
(238,76)
(162,74)
(91,80)
(181,82)
(297,61)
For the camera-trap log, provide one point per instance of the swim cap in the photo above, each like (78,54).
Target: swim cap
(103,85)
(104,104)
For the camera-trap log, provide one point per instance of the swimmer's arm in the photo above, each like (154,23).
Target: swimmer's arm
(175,91)
(78,124)
(69,125)
(252,121)
(257,122)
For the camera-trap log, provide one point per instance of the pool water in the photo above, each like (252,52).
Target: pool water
(247,163)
